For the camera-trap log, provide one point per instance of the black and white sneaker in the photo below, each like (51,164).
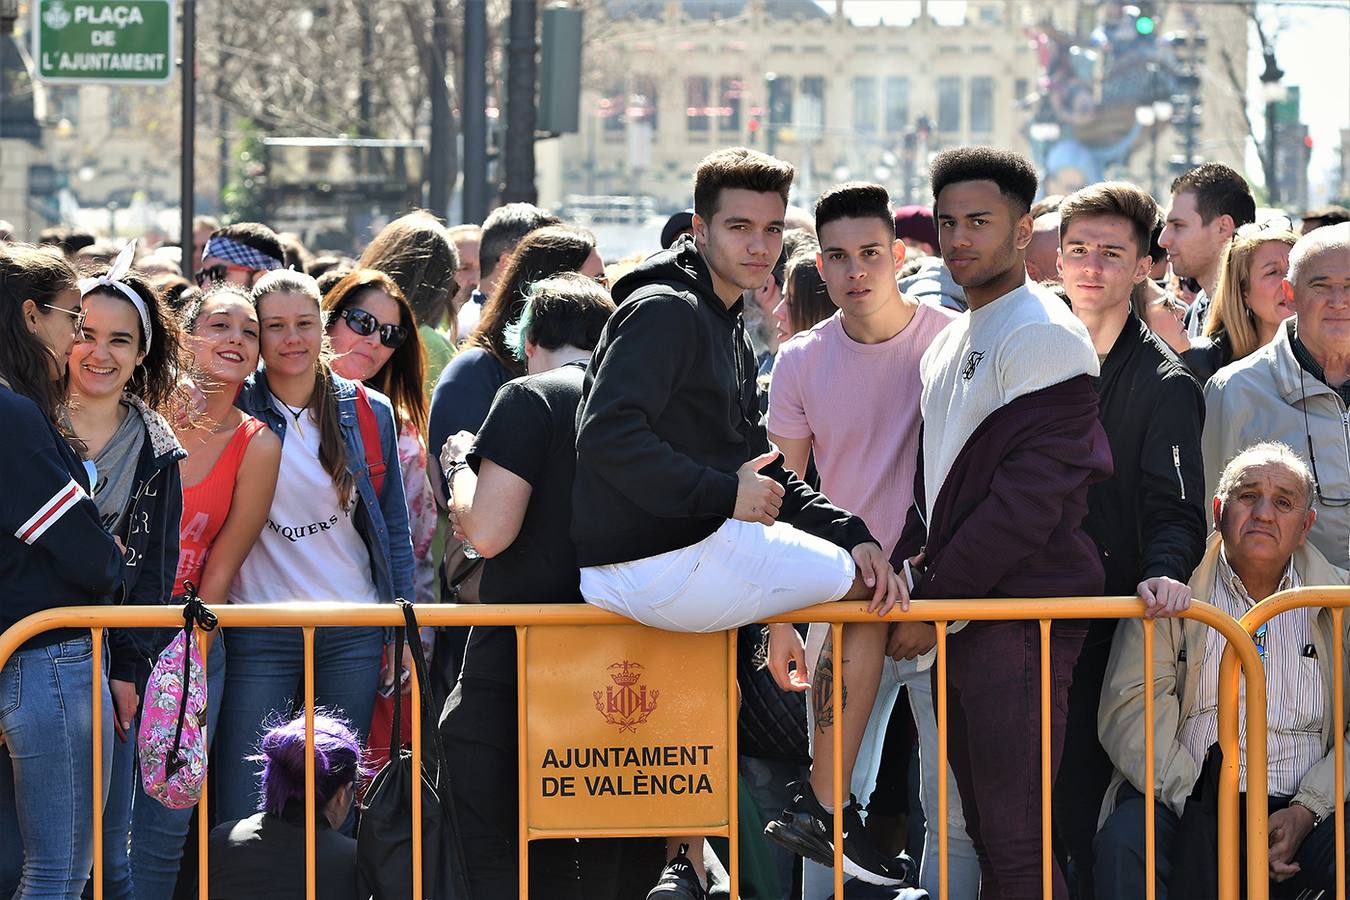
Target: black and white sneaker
(678,880)
(807,830)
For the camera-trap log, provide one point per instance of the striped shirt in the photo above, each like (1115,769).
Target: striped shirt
(1294,698)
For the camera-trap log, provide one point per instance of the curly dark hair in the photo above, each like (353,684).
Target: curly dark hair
(1012,172)
(156,380)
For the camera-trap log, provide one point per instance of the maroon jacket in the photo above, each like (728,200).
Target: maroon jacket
(1008,519)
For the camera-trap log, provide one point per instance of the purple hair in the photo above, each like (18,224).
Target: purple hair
(337,761)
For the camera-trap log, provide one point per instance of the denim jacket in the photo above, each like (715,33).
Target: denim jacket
(381,521)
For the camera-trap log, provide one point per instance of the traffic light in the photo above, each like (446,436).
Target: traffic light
(1145,25)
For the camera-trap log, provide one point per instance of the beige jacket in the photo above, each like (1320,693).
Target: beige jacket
(1120,718)
(1260,398)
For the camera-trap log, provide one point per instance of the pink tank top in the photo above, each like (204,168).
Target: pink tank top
(206,506)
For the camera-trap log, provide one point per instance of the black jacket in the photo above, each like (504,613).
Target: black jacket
(670,410)
(1148,519)
(53,549)
(151,537)
(1208,355)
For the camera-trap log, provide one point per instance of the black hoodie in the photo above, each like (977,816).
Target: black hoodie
(669,412)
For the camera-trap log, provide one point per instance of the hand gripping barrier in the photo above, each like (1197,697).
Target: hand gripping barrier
(1241,660)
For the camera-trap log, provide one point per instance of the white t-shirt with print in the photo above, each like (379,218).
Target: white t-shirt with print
(309,548)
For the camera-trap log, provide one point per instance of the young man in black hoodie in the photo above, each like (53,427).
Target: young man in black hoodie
(1148,518)
(683,515)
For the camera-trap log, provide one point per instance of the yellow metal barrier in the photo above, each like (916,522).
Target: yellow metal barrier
(1337,599)
(307,616)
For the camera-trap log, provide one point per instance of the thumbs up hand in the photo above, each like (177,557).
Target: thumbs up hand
(758,498)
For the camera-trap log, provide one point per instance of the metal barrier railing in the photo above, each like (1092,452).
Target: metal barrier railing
(1336,599)
(308,616)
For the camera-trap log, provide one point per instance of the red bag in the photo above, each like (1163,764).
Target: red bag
(382,718)
(370,438)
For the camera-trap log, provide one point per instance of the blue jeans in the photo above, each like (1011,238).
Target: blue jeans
(46,770)
(264,685)
(150,869)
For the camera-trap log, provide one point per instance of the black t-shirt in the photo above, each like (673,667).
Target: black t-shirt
(531,432)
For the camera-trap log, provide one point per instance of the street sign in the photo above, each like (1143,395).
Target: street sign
(108,41)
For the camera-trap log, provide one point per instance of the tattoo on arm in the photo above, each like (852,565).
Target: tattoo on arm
(822,690)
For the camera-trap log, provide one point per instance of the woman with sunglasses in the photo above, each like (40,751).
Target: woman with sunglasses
(375,340)
(330,535)
(54,552)
(1249,302)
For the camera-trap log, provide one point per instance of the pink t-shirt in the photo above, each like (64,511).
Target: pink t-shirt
(859,403)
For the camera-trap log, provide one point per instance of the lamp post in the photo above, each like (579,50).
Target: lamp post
(1273,90)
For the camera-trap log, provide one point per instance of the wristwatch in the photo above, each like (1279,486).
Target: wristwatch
(1317,820)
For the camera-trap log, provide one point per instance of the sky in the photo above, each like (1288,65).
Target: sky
(1312,46)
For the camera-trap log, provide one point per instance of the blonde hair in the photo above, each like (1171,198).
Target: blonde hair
(1229,311)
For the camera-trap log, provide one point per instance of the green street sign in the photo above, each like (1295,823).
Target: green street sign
(111,41)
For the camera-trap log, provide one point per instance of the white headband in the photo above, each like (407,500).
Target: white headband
(120,267)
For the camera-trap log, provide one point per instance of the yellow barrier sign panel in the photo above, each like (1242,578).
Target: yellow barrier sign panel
(625,728)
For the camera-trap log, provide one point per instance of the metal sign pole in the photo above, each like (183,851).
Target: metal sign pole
(189,146)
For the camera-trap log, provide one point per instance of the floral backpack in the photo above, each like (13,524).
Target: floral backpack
(170,742)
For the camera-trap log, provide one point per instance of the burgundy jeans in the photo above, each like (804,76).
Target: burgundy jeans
(994,744)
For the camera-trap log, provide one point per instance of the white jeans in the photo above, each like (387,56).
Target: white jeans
(741,573)
(963,868)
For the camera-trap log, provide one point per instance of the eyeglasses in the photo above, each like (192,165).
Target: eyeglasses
(1334,502)
(77,314)
(215,273)
(363,323)
(1259,638)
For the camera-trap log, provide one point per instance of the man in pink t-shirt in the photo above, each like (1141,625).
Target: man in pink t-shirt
(848,391)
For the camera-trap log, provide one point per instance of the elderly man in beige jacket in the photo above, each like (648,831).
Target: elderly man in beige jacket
(1263,506)
(1296,389)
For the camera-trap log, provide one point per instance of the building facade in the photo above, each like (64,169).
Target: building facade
(667,82)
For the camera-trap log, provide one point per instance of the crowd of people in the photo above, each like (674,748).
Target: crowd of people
(1000,395)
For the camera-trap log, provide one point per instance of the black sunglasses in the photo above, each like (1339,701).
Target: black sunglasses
(1334,502)
(363,323)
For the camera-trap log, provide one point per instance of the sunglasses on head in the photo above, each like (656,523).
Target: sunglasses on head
(216,273)
(363,323)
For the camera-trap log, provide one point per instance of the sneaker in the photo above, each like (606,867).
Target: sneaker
(807,830)
(678,880)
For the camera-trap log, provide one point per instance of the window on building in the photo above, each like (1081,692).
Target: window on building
(780,100)
(865,104)
(644,99)
(64,103)
(812,113)
(119,108)
(612,104)
(897,104)
(949,104)
(697,100)
(982,105)
(730,91)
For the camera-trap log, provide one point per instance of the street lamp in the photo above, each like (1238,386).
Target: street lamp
(1274,91)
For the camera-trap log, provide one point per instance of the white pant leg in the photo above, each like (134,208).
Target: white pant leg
(818,880)
(963,869)
(741,573)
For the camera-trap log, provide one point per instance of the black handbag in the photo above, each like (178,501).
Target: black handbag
(384,839)
(772,722)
